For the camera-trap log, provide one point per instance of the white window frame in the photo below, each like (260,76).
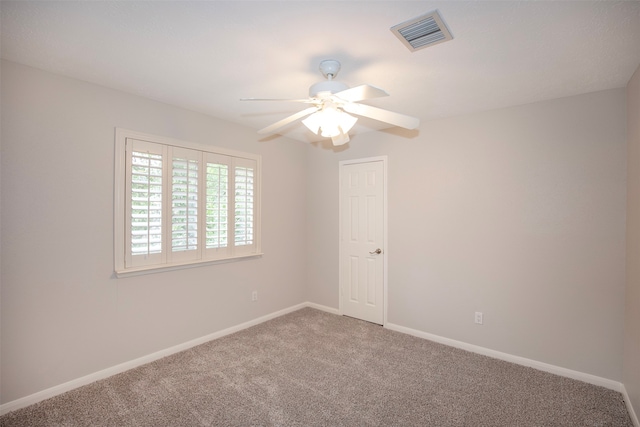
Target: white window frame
(168,259)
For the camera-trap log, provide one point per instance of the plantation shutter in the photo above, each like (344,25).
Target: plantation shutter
(144,204)
(217,196)
(244,213)
(185,199)
(182,204)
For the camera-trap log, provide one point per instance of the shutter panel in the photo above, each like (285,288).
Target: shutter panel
(144,186)
(217,205)
(245,181)
(185,171)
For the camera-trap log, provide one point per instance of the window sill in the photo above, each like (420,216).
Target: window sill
(149,269)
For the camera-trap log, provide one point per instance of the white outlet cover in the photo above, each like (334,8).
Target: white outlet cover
(478,318)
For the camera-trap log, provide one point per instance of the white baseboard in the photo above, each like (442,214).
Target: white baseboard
(632,413)
(323,308)
(576,375)
(105,373)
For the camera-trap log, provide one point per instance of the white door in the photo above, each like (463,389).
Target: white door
(362,234)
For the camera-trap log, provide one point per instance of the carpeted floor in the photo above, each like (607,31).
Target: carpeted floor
(311,368)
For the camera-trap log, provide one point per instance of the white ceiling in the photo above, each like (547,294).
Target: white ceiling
(205,55)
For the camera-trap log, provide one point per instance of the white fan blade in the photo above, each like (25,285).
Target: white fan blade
(361,92)
(272,128)
(307,100)
(386,116)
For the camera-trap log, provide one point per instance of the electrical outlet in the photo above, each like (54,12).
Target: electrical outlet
(254,296)
(479,317)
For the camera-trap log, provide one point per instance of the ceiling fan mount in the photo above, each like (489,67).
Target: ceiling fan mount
(332,102)
(329,68)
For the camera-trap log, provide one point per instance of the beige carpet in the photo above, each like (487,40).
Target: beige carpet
(311,368)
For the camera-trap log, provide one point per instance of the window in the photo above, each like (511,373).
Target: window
(179,203)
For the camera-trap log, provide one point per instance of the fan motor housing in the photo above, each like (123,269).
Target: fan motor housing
(330,86)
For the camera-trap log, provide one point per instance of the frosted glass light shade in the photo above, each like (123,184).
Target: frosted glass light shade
(313,122)
(330,122)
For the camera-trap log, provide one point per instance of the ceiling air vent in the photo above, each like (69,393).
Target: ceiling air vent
(422,31)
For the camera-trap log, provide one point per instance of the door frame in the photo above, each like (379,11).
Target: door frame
(385,273)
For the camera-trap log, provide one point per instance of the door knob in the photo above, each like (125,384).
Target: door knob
(376,252)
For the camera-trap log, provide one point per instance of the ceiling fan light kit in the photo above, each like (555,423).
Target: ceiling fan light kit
(332,102)
(331,123)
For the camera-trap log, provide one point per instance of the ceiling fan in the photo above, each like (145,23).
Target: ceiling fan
(332,101)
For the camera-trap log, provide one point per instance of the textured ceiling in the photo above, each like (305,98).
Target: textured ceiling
(205,55)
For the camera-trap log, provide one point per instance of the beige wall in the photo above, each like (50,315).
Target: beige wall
(631,365)
(518,213)
(64,315)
